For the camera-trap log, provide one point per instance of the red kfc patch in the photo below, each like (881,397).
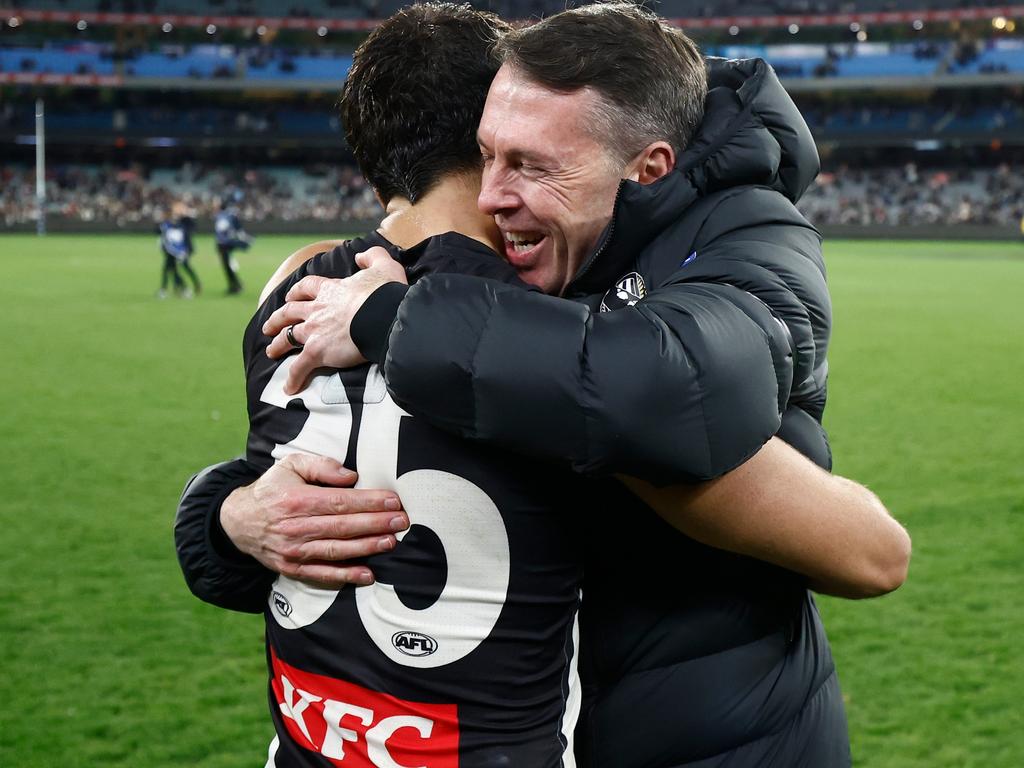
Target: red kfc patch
(355,727)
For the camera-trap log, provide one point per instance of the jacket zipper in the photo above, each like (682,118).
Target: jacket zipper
(604,243)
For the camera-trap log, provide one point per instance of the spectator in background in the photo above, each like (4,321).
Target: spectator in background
(230,236)
(176,246)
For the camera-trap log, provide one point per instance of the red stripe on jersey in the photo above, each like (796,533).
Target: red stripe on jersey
(355,727)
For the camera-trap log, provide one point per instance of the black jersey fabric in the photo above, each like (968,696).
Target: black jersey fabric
(463,653)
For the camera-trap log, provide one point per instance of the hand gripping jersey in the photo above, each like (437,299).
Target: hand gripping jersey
(463,653)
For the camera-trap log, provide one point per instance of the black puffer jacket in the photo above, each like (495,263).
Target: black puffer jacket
(691,656)
(687,383)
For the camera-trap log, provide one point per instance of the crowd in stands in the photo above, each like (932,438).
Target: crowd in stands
(903,195)
(912,196)
(328,62)
(131,196)
(201,61)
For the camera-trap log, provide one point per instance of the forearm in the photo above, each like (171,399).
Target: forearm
(214,569)
(780,508)
(682,387)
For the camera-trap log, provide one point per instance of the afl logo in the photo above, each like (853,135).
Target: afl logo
(414,643)
(627,291)
(281,604)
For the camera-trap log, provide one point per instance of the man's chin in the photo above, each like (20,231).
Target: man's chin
(535,276)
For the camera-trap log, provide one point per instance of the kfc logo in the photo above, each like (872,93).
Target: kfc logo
(355,727)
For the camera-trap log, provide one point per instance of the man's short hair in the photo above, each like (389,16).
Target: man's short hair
(650,77)
(413,98)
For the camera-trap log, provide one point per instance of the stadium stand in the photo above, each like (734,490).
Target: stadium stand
(863,60)
(136,196)
(900,196)
(909,196)
(185,97)
(522,9)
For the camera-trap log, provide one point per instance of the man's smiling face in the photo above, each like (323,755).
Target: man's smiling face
(549,184)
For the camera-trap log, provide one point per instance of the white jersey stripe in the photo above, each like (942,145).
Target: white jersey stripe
(272,753)
(574,700)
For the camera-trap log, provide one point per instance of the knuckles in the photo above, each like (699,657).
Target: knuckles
(291,552)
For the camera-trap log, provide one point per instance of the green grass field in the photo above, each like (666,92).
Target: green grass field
(112,398)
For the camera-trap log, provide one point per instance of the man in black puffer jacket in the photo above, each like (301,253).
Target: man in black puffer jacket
(733,328)
(712,339)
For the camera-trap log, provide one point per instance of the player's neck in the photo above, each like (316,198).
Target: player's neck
(448,207)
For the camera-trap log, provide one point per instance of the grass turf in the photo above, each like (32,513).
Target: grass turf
(113,398)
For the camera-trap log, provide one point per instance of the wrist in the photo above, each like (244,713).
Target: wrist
(229,523)
(372,322)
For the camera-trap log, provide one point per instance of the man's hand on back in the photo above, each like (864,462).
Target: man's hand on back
(307,532)
(321,309)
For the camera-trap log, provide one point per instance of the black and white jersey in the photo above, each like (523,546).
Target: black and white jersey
(463,653)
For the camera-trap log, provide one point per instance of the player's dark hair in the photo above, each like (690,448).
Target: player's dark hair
(415,93)
(650,77)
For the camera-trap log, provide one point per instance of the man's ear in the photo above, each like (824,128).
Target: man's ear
(654,161)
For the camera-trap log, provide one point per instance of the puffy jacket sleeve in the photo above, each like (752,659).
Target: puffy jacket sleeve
(683,386)
(214,569)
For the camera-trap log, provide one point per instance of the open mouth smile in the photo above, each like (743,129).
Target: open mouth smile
(521,247)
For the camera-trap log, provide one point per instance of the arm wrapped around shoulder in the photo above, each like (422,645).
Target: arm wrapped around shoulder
(683,386)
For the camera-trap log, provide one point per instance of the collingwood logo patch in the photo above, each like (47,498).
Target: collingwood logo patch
(627,292)
(281,604)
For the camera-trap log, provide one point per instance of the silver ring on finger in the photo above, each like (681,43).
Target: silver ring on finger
(290,335)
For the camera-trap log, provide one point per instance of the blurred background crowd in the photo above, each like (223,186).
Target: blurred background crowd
(918,114)
(903,195)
